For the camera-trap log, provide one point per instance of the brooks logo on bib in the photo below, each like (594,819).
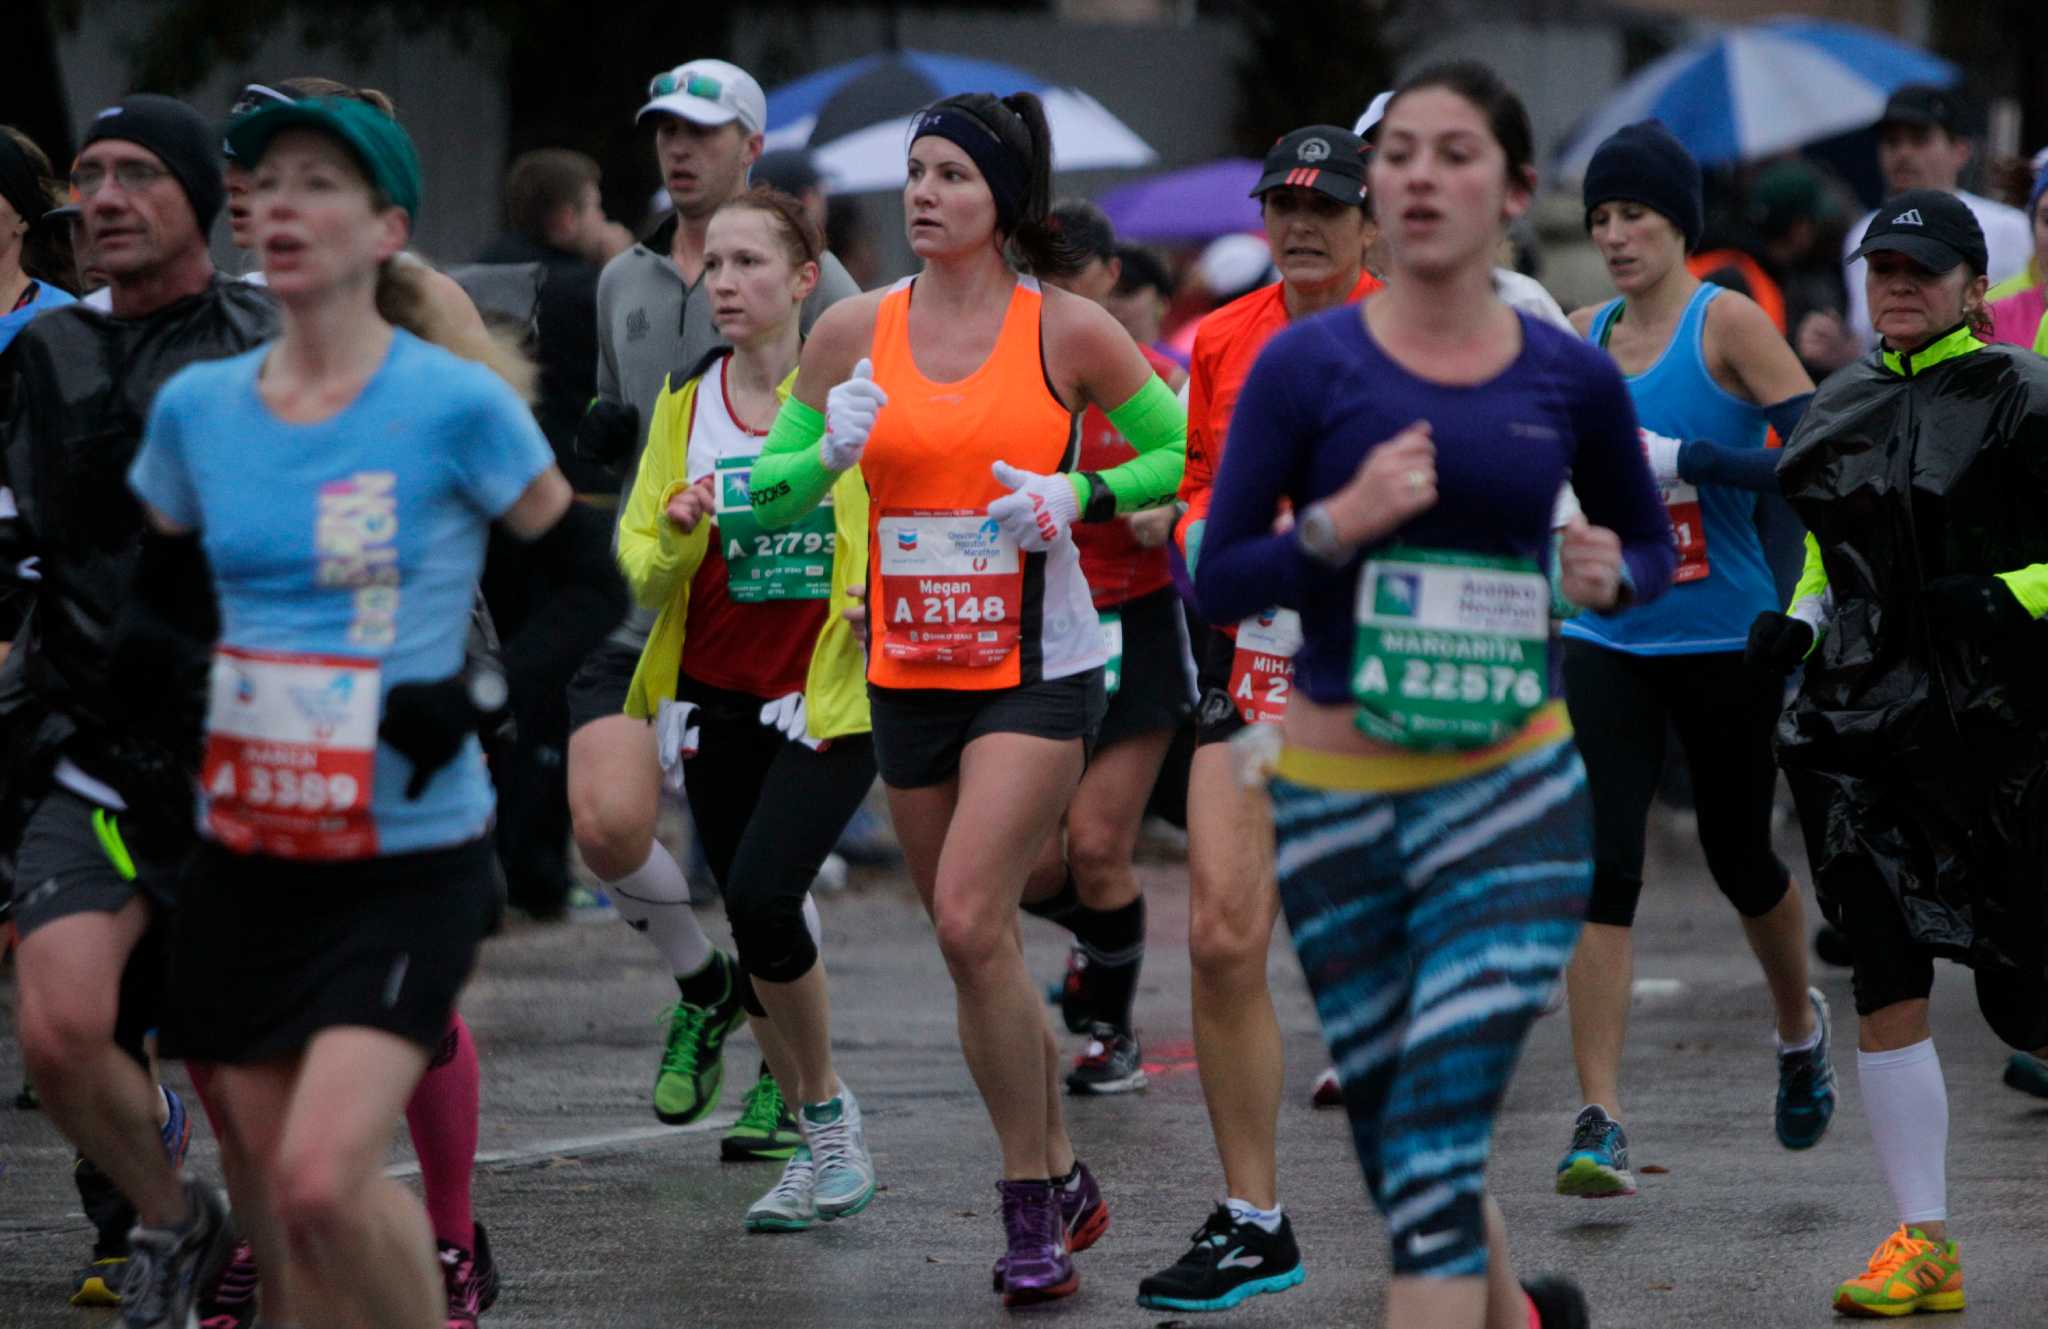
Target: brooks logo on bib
(291,754)
(791,564)
(952,587)
(1453,648)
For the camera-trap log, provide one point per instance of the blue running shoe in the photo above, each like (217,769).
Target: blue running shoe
(1806,1086)
(1596,1166)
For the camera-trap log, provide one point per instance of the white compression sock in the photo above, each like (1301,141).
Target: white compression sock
(654,898)
(812,922)
(1906,1102)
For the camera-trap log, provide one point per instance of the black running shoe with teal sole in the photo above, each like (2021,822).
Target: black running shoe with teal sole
(1228,1264)
(1596,1165)
(1806,1085)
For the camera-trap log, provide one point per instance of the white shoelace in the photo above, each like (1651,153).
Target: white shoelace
(799,1179)
(832,1143)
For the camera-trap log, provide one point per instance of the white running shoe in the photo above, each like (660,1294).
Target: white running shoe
(792,1205)
(846,1174)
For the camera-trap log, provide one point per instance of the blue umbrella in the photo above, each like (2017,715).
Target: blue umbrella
(853,116)
(1761,89)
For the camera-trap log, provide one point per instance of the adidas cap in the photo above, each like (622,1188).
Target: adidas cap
(1932,227)
(1325,158)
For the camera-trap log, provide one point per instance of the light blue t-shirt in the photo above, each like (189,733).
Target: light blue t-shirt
(357,539)
(46,297)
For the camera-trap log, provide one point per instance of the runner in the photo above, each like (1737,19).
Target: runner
(1701,361)
(985,680)
(655,318)
(2019,304)
(346,531)
(751,646)
(1432,838)
(105,782)
(28,191)
(1312,195)
(1916,742)
(1087,884)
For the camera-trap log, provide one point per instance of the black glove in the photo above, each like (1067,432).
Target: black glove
(607,433)
(1777,642)
(1974,607)
(427,724)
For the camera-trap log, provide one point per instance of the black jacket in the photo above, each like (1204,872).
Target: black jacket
(1921,756)
(78,390)
(566,349)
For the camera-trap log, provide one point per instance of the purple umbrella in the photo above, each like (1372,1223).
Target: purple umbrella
(1190,205)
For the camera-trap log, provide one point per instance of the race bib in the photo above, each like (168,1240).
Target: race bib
(1682,503)
(1262,667)
(794,563)
(952,587)
(1452,648)
(1113,645)
(291,753)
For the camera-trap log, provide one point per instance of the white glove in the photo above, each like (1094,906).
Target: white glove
(850,410)
(787,714)
(675,740)
(1040,513)
(1662,454)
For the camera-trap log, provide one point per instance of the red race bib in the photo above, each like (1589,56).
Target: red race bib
(952,587)
(1682,503)
(1262,668)
(291,753)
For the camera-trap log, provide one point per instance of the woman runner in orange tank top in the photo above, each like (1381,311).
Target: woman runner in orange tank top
(952,390)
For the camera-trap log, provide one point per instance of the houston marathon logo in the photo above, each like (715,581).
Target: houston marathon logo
(355,541)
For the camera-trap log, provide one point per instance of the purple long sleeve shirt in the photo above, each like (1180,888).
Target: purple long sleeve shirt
(1323,395)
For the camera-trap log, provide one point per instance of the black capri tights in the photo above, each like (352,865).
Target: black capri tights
(1622,707)
(768,811)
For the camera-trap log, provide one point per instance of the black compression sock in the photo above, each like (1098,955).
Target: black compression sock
(1061,907)
(1113,941)
(708,986)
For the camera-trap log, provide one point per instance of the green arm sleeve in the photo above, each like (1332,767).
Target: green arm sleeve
(1813,577)
(2030,587)
(790,478)
(2041,337)
(1154,423)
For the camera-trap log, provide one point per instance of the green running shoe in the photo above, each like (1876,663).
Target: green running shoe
(692,1073)
(766,1131)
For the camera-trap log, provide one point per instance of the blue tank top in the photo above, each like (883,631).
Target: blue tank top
(1723,580)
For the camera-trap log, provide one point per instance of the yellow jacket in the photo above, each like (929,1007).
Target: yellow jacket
(659,562)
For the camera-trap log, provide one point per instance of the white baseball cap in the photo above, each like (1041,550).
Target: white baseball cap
(708,92)
(1374,113)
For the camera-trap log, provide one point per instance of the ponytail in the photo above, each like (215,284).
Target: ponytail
(1018,124)
(406,298)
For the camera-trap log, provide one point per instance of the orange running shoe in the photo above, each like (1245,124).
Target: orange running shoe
(1907,1274)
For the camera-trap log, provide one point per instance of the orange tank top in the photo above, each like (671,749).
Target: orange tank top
(952,602)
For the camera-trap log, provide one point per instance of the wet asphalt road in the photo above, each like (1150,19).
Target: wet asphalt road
(601,1217)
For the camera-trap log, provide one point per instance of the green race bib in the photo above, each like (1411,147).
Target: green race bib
(794,563)
(1453,649)
(1113,642)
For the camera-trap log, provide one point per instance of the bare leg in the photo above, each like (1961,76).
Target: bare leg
(801,1016)
(614,793)
(1233,903)
(96,1094)
(1778,939)
(1599,980)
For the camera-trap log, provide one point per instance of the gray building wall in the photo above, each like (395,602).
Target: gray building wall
(452,101)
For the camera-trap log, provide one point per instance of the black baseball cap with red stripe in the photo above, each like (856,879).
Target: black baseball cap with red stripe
(1325,158)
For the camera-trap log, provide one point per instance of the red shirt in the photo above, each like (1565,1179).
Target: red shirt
(1226,346)
(764,649)
(1117,567)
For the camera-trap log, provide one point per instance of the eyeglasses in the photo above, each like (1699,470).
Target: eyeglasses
(133,176)
(676,80)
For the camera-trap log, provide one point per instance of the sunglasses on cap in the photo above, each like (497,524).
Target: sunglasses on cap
(255,97)
(678,80)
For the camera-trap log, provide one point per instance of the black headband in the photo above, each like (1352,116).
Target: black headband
(21,184)
(1007,173)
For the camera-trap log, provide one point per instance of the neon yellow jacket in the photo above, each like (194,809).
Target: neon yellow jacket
(660,561)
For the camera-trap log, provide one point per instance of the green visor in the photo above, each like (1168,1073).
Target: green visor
(378,142)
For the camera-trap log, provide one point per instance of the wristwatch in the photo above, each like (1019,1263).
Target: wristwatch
(1316,533)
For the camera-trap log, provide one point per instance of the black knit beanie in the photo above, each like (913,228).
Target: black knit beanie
(181,138)
(1643,163)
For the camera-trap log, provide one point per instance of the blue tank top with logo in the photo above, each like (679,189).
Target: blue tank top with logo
(1723,580)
